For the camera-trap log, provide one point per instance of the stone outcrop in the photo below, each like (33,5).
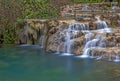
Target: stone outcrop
(106,53)
(54,32)
(22,38)
(110,41)
(31,32)
(52,43)
(78,45)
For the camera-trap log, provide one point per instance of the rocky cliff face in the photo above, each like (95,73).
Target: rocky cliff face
(110,39)
(61,35)
(108,47)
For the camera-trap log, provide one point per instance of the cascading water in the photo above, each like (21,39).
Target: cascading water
(26,31)
(117,59)
(101,24)
(85,8)
(93,41)
(42,41)
(68,42)
(71,33)
(26,34)
(102,28)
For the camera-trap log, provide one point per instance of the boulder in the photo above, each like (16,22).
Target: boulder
(78,45)
(52,43)
(106,53)
(22,37)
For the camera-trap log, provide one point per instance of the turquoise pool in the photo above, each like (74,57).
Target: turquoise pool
(31,63)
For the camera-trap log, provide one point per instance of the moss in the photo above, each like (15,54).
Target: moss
(32,24)
(113,23)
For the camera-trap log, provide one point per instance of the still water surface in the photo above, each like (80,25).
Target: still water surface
(30,63)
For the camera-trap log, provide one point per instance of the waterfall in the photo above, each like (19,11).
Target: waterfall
(42,41)
(71,33)
(91,43)
(94,41)
(68,41)
(85,8)
(26,27)
(117,58)
(26,32)
(68,34)
(101,24)
(80,27)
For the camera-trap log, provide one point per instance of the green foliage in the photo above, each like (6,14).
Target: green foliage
(10,11)
(118,2)
(39,9)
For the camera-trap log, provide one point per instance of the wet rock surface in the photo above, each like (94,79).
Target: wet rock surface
(106,53)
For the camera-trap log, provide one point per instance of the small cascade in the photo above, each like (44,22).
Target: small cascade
(42,41)
(94,41)
(85,8)
(88,46)
(68,35)
(117,58)
(101,24)
(80,26)
(68,41)
(110,59)
(71,33)
(26,32)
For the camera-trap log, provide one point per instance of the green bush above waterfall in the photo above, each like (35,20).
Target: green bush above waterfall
(39,9)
